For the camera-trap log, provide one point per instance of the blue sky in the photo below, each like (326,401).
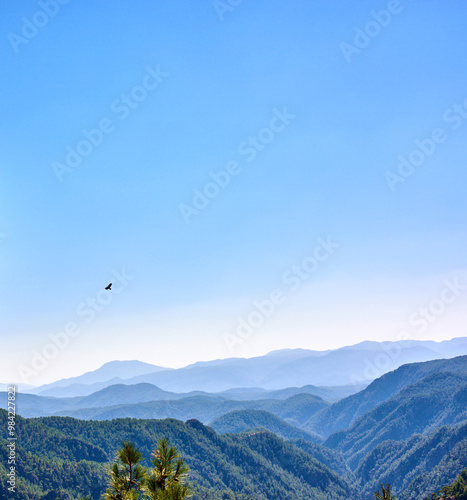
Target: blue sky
(326,123)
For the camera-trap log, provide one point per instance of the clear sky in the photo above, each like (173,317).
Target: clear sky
(217,155)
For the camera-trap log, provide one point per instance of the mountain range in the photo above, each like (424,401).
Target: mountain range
(408,427)
(412,433)
(353,365)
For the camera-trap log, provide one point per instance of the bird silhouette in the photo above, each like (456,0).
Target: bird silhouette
(109,286)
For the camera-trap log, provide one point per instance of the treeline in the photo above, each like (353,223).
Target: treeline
(456,491)
(61,454)
(61,457)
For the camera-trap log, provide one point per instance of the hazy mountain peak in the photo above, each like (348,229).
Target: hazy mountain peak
(281,369)
(110,371)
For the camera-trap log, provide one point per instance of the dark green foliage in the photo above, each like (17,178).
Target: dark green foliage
(297,409)
(456,491)
(296,463)
(412,433)
(167,478)
(384,493)
(419,408)
(331,458)
(240,420)
(345,412)
(416,466)
(126,475)
(242,467)
(37,475)
(148,401)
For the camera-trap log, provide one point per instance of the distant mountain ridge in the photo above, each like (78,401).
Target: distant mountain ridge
(131,400)
(407,428)
(344,413)
(108,374)
(203,408)
(357,364)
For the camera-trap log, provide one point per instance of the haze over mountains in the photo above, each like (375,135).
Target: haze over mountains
(408,428)
(111,373)
(357,365)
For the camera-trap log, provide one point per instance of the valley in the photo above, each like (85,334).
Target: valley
(407,428)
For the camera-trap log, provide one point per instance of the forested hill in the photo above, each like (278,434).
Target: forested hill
(344,413)
(439,399)
(61,453)
(455,491)
(408,428)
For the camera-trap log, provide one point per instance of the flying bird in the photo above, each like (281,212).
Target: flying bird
(109,286)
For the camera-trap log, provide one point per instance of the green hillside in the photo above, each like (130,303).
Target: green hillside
(331,458)
(297,409)
(455,491)
(438,399)
(412,433)
(417,466)
(241,420)
(56,453)
(344,413)
(133,400)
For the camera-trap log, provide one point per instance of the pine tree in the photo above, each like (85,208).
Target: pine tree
(167,479)
(385,493)
(127,476)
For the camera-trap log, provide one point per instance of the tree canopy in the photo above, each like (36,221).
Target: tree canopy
(166,480)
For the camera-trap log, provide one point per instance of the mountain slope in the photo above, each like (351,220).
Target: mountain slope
(330,394)
(148,401)
(241,420)
(458,489)
(120,393)
(331,458)
(436,400)
(415,467)
(345,412)
(203,408)
(62,453)
(296,409)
